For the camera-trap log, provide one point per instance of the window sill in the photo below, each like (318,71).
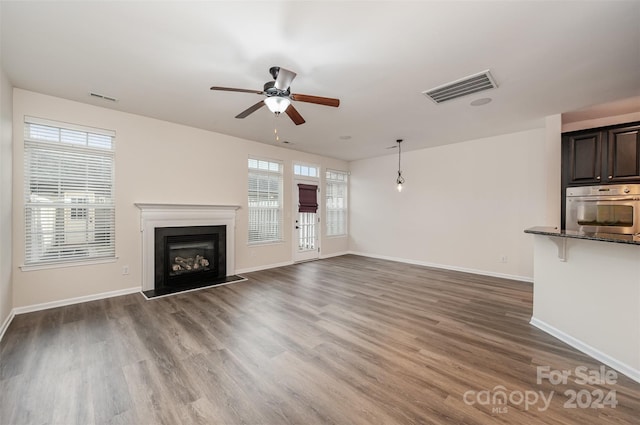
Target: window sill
(252,244)
(34,267)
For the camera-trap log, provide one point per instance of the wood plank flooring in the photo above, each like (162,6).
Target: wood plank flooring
(347,340)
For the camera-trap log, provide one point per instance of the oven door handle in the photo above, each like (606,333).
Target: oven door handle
(576,198)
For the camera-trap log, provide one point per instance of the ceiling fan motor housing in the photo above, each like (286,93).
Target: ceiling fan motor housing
(271,90)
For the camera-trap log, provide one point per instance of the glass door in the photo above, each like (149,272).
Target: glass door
(306,221)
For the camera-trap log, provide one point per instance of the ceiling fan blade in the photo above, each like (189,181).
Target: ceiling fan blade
(250,110)
(295,115)
(284,79)
(238,90)
(326,101)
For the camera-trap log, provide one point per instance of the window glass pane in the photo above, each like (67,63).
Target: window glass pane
(306,170)
(100,141)
(42,132)
(73,137)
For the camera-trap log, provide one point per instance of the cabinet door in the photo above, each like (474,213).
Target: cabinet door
(585,158)
(623,163)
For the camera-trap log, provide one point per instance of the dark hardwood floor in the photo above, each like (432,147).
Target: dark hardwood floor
(347,340)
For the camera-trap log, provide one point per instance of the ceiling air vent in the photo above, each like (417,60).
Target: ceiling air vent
(472,84)
(103,97)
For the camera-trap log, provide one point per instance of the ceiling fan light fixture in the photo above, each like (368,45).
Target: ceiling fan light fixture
(277,104)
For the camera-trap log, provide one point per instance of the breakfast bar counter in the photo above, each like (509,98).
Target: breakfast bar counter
(602,237)
(587,293)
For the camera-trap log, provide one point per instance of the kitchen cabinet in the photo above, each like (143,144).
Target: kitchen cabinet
(583,157)
(623,159)
(601,156)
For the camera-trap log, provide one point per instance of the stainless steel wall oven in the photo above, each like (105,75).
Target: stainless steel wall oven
(609,209)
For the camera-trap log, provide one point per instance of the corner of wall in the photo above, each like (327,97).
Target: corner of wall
(6,184)
(553,160)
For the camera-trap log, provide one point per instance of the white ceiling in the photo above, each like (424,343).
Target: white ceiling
(160,58)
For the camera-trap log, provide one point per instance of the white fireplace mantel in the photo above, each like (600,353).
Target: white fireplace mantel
(177,215)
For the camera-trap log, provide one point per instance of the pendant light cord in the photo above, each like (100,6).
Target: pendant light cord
(399,153)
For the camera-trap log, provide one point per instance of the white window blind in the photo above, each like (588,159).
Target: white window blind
(265,201)
(68,192)
(336,203)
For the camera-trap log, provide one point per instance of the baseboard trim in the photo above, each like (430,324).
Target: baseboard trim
(287,263)
(6,323)
(335,254)
(265,267)
(526,279)
(621,367)
(76,300)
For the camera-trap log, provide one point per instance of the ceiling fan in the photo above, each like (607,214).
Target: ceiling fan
(278,96)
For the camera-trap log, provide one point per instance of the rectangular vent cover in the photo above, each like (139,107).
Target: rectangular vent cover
(103,97)
(472,84)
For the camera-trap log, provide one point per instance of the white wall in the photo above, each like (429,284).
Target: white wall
(6,294)
(600,284)
(464,206)
(156,162)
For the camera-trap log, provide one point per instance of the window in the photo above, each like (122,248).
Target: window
(306,170)
(265,201)
(336,203)
(68,193)
(78,213)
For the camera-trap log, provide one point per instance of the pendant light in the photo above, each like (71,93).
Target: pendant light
(400,179)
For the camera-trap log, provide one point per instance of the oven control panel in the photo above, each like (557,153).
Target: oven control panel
(605,190)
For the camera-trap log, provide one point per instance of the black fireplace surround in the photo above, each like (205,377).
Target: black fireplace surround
(189,257)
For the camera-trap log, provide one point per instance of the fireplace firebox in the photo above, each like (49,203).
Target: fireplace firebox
(189,257)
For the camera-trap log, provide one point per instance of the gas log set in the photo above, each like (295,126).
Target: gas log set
(197,263)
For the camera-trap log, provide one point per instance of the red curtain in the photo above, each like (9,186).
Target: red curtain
(307,198)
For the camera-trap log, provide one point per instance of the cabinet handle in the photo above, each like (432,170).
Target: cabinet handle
(598,178)
(610,177)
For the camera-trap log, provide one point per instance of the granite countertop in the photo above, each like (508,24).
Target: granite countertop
(603,237)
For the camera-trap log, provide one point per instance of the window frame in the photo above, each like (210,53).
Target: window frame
(257,226)
(53,217)
(328,183)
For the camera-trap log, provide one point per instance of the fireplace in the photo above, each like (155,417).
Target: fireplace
(189,256)
(194,233)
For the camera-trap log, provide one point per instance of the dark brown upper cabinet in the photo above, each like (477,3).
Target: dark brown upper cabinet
(623,163)
(601,156)
(584,165)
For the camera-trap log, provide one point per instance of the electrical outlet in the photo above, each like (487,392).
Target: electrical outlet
(504,259)
(125,269)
